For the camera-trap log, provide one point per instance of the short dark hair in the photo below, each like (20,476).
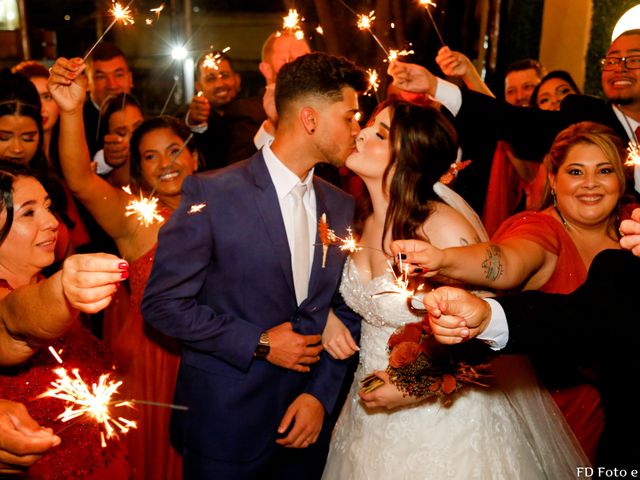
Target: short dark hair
(526,64)
(626,33)
(103,52)
(113,104)
(317,74)
(155,123)
(214,54)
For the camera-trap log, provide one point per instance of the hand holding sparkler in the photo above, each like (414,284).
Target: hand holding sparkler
(89,281)
(68,84)
(22,440)
(199,110)
(413,78)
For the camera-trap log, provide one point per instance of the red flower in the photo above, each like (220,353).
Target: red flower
(411,332)
(448,383)
(404,353)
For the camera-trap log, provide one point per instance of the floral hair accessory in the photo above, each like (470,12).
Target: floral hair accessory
(450,175)
(421,367)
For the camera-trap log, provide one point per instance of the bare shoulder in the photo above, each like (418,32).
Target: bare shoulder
(446,227)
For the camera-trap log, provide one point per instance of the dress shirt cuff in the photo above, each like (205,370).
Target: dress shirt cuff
(102,167)
(449,95)
(636,176)
(496,335)
(262,137)
(201,128)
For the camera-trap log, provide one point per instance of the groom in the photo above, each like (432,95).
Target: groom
(227,282)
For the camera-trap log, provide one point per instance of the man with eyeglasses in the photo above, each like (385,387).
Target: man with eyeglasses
(481,119)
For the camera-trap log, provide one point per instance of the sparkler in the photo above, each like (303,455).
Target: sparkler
(394,54)
(365,22)
(157,11)
(146,208)
(426,4)
(119,13)
(173,88)
(633,154)
(94,402)
(401,282)
(292,20)
(213,59)
(374,82)
(328,237)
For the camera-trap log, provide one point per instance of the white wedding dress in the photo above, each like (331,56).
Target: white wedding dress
(510,431)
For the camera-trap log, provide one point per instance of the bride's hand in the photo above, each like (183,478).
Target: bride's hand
(387,396)
(337,339)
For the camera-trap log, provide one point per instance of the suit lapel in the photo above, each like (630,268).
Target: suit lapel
(316,267)
(269,210)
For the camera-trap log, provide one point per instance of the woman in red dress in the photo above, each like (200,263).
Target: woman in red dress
(161,157)
(35,312)
(552,250)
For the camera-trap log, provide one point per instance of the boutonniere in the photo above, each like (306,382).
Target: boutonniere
(328,237)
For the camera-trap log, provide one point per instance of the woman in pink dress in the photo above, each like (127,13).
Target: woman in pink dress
(160,160)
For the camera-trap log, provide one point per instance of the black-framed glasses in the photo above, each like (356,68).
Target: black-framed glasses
(611,63)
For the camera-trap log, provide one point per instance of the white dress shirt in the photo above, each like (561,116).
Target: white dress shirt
(496,335)
(628,122)
(284,181)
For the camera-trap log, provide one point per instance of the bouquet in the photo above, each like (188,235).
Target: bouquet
(421,367)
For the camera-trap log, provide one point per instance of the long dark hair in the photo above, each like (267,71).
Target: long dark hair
(113,104)
(423,146)
(18,96)
(165,121)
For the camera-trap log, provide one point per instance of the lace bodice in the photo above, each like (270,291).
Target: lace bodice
(381,314)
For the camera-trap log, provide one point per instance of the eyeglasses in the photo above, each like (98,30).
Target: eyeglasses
(611,63)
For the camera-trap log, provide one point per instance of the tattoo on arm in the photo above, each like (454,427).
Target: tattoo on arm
(492,265)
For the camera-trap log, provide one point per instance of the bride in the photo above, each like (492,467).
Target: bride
(510,430)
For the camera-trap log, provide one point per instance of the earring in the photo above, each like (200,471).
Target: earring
(312,130)
(555,206)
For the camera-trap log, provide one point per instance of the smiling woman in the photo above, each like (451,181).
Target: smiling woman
(161,156)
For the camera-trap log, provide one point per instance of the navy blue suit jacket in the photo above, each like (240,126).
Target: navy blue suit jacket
(221,276)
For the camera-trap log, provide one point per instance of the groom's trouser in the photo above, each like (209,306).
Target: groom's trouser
(276,463)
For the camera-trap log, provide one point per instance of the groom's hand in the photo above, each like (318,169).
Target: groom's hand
(307,413)
(292,350)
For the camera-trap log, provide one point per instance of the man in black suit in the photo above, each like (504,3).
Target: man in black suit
(481,119)
(585,324)
(218,85)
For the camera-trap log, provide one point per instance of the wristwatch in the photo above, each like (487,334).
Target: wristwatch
(263,348)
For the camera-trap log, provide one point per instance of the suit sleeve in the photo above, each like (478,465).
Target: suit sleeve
(329,374)
(571,326)
(483,120)
(185,250)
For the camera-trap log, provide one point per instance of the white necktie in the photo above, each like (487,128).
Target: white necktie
(300,244)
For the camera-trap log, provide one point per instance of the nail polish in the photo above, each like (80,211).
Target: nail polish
(123,266)
(124,274)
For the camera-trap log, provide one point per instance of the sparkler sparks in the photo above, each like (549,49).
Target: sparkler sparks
(374,81)
(394,54)
(95,402)
(365,22)
(292,20)
(401,283)
(119,13)
(196,208)
(328,237)
(426,4)
(146,208)
(633,154)
(213,59)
